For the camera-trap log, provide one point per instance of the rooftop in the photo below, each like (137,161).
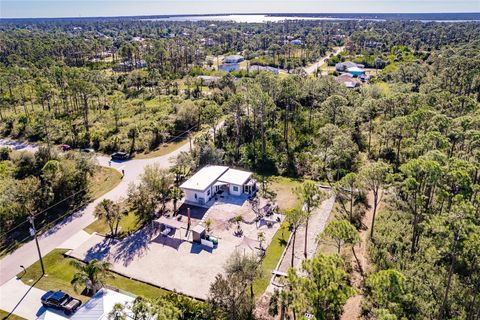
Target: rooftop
(233,58)
(234,176)
(355,69)
(204,178)
(97,308)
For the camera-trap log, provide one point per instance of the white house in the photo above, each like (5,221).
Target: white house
(210,180)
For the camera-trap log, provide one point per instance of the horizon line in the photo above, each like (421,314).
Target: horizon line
(294,14)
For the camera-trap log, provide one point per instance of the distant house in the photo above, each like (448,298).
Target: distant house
(208,80)
(259,68)
(343,66)
(210,180)
(296,42)
(235,58)
(348,80)
(130,65)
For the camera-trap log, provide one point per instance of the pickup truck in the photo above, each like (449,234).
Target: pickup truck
(61,301)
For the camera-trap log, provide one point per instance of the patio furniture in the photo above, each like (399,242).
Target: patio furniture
(207,243)
(213,239)
(166,231)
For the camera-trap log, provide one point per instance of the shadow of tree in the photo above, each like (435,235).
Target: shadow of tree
(101,250)
(135,245)
(168,241)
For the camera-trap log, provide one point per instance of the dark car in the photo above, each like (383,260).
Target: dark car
(120,156)
(61,301)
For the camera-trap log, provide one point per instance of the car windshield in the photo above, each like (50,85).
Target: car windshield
(63,299)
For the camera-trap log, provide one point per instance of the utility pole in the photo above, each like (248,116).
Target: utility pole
(33,232)
(190,141)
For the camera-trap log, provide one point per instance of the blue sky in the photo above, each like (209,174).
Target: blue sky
(85,8)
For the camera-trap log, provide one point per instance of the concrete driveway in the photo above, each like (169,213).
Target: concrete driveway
(20,299)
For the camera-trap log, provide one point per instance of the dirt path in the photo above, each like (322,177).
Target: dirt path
(352,309)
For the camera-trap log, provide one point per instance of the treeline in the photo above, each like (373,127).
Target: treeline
(31,183)
(420,137)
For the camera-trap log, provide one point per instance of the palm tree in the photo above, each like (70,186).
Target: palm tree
(208,225)
(92,275)
(176,194)
(261,239)
(118,312)
(111,212)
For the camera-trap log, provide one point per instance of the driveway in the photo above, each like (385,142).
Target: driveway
(20,299)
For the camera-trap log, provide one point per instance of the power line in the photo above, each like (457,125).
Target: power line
(75,193)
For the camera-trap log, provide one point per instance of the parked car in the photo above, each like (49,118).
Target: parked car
(120,156)
(87,150)
(61,301)
(64,147)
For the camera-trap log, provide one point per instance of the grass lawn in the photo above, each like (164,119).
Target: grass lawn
(4,314)
(127,223)
(284,187)
(104,180)
(60,272)
(163,149)
(271,258)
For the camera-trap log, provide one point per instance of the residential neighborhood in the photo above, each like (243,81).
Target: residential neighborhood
(164,161)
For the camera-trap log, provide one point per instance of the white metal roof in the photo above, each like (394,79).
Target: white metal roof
(97,308)
(100,305)
(234,176)
(204,178)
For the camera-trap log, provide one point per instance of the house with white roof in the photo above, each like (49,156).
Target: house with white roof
(211,180)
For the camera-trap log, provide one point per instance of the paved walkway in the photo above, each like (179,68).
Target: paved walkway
(21,299)
(316,224)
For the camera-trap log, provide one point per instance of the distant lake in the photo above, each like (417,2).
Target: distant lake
(250,18)
(262,18)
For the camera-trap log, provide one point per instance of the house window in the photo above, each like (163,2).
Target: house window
(208,192)
(196,196)
(235,188)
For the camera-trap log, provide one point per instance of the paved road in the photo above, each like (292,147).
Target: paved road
(26,255)
(314,66)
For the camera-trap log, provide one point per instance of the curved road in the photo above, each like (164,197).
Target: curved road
(27,254)
(314,66)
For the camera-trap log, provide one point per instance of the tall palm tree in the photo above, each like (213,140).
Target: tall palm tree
(176,194)
(92,275)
